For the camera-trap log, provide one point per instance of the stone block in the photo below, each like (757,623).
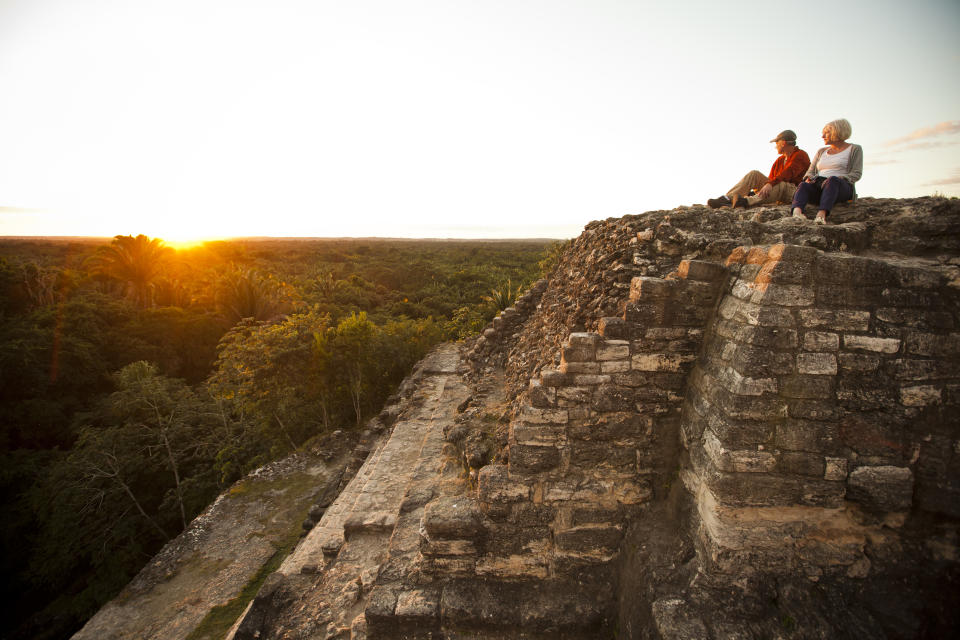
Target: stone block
(817,364)
(542,435)
(645,288)
(613,350)
(594,455)
(872,344)
(920,396)
(495,485)
(533,459)
(448,548)
(750,408)
(884,488)
(817,410)
(570,354)
(821,341)
(756,362)
(614,366)
(659,361)
(587,379)
(835,469)
(738,384)
(610,397)
(532,415)
(898,297)
(452,517)
(783,295)
(858,362)
(917,278)
(589,539)
(617,426)
(614,328)
(916,318)
(584,340)
(574,395)
(701,270)
(809,387)
(917,369)
(418,606)
(931,344)
(845,270)
(801,463)
(850,295)
(767,316)
(646,314)
(740,433)
(835,319)
(737,461)
(520,566)
(574,368)
(540,396)
(553,378)
(807,435)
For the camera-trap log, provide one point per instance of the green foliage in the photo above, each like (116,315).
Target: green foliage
(553,255)
(501,297)
(127,402)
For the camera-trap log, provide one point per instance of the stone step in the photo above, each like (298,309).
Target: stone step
(371,502)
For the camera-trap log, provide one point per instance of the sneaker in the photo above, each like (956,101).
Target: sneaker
(820,220)
(740,202)
(716,203)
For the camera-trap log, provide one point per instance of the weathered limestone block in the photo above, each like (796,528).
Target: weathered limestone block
(922,343)
(782,295)
(922,320)
(536,434)
(821,364)
(916,369)
(701,270)
(591,538)
(418,606)
(579,368)
(660,361)
(532,415)
(885,488)
(845,269)
(787,264)
(626,426)
(858,362)
(835,319)
(738,461)
(614,366)
(872,344)
(614,328)
(821,341)
(644,288)
(452,517)
(613,350)
(541,396)
(730,379)
(451,548)
(516,566)
(833,295)
(676,620)
(610,397)
(553,378)
(533,459)
(920,396)
(587,379)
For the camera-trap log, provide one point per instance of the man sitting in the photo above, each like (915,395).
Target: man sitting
(785,174)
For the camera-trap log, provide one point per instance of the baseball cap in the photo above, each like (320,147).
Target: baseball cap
(787,135)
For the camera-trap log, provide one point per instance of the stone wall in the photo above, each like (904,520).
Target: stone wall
(822,410)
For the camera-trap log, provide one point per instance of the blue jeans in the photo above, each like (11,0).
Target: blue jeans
(824,192)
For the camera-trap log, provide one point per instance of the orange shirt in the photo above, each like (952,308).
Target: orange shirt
(789,168)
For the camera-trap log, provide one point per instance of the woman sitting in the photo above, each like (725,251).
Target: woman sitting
(831,175)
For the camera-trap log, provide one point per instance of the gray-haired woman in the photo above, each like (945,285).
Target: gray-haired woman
(831,175)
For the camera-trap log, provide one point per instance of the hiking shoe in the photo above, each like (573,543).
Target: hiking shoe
(740,201)
(716,203)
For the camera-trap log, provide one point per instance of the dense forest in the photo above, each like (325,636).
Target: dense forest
(138,381)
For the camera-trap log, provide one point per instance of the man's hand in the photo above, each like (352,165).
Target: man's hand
(765,190)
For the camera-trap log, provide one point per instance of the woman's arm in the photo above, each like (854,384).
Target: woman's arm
(812,169)
(855,166)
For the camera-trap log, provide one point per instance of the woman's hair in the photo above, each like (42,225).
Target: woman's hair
(841,128)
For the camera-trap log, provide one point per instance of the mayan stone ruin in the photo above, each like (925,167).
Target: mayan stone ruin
(703,424)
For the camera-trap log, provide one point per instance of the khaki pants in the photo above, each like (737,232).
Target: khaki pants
(781,192)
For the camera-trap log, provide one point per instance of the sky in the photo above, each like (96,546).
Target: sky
(449,118)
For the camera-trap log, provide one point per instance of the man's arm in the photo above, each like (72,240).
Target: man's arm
(793,169)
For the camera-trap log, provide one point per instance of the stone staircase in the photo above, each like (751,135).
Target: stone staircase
(335,566)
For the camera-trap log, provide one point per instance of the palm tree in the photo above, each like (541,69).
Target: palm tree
(246,294)
(137,262)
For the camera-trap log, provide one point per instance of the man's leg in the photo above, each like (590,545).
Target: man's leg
(753,180)
(780,192)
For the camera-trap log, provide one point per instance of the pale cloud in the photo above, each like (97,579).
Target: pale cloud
(953,179)
(941,129)
(873,163)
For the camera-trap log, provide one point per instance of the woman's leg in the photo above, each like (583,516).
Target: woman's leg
(805,190)
(834,190)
